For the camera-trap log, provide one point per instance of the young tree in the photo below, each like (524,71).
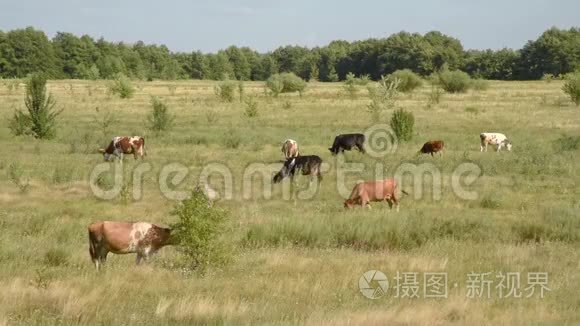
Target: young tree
(40,119)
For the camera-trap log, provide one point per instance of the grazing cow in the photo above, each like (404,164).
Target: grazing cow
(290,148)
(494,138)
(124,145)
(432,146)
(309,164)
(347,142)
(141,238)
(371,191)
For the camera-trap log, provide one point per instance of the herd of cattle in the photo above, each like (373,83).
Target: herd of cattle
(144,239)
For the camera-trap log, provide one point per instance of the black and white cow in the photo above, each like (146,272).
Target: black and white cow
(347,142)
(309,165)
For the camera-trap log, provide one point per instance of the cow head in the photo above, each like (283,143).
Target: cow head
(105,154)
(333,150)
(165,237)
(508,145)
(349,203)
(286,170)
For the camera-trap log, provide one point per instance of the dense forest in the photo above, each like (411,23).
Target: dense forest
(28,50)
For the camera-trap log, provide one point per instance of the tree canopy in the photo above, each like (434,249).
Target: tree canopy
(26,51)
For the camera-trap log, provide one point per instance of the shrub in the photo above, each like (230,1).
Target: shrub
(16,174)
(435,94)
(350,85)
(408,80)
(197,230)
(232,139)
(225,90)
(383,95)
(567,143)
(402,123)
(19,124)
(56,257)
(160,119)
(479,84)
(455,81)
(548,78)
(122,86)
(572,87)
(251,109)
(40,118)
(286,82)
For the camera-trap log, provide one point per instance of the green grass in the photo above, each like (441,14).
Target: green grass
(295,261)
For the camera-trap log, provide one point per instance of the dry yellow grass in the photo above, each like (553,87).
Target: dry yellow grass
(302,279)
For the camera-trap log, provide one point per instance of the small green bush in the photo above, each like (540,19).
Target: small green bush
(19,124)
(160,119)
(232,139)
(16,175)
(251,108)
(286,82)
(350,84)
(402,124)
(548,78)
(198,229)
(567,143)
(383,96)
(572,87)
(56,257)
(122,86)
(409,80)
(40,118)
(454,81)
(225,90)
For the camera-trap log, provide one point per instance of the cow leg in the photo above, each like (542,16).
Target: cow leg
(360,148)
(139,258)
(395,201)
(102,258)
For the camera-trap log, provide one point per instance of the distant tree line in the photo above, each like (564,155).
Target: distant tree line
(24,51)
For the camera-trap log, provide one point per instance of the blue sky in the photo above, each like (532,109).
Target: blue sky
(266,24)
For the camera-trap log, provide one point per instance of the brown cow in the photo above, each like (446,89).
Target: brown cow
(432,146)
(371,191)
(124,145)
(141,238)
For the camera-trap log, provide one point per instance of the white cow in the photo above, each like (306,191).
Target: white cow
(290,148)
(494,138)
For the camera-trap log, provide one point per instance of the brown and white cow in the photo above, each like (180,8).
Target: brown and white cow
(494,138)
(373,191)
(124,145)
(141,238)
(432,146)
(290,148)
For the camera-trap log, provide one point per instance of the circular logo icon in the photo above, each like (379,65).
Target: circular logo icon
(373,284)
(380,140)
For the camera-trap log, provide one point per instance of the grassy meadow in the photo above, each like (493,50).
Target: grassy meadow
(293,261)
